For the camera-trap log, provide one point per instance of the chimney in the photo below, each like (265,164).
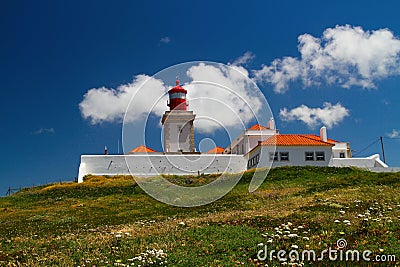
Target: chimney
(323,135)
(271,124)
(105,150)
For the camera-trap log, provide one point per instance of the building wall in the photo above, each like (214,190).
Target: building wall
(154,164)
(178,131)
(343,148)
(248,140)
(296,156)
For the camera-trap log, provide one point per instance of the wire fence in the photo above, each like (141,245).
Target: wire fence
(12,190)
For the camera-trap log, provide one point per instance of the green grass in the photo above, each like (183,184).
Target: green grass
(108,221)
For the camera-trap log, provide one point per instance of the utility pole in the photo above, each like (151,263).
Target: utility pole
(383,149)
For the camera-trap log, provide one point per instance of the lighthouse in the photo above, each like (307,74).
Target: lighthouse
(178,122)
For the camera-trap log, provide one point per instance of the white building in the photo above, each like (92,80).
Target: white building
(307,150)
(249,138)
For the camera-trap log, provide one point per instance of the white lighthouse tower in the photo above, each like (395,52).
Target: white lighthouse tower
(178,122)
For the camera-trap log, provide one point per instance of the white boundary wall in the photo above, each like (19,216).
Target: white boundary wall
(369,162)
(154,164)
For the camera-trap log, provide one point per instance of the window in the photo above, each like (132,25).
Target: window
(273,156)
(177,95)
(342,155)
(284,156)
(320,155)
(309,156)
(253,161)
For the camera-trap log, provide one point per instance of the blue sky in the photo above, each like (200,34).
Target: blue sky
(53,52)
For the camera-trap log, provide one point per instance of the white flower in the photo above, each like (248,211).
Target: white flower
(337,221)
(306,238)
(295,247)
(346,221)
(342,211)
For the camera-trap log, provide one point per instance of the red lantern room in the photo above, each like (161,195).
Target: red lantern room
(177,97)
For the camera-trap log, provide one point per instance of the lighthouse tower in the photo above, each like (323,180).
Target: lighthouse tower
(178,122)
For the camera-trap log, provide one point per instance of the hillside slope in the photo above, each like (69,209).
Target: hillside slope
(111,221)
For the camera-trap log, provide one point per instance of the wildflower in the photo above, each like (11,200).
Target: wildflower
(306,238)
(342,211)
(337,221)
(295,247)
(182,223)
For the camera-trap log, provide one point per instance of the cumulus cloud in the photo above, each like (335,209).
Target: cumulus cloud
(219,95)
(394,134)
(109,105)
(165,40)
(329,115)
(345,56)
(44,131)
(243,60)
(226,98)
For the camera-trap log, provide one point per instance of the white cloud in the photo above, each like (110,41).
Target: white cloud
(45,130)
(345,55)
(227,100)
(165,40)
(243,60)
(109,105)
(218,95)
(394,134)
(328,115)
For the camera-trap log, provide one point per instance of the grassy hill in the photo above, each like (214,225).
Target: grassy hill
(110,221)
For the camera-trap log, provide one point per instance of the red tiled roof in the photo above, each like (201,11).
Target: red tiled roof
(294,140)
(216,150)
(317,137)
(142,149)
(257,127)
